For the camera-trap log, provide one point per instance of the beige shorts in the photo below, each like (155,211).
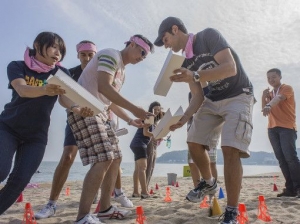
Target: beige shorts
(212,153)
(231,118)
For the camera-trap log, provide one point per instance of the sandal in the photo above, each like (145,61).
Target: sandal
(145,196)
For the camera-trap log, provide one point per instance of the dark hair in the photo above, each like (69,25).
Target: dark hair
(86,42)
(152,105)
(276,70)
(145,40)
(48,39)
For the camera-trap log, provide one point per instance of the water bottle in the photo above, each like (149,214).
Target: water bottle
(168,143)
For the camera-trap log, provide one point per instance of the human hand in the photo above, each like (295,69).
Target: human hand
(53,90)
(266,93)
(141,113)
(182,75)
(137,123)
(83,111)
(266,110)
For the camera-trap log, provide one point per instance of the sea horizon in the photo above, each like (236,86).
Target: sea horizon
(78,171)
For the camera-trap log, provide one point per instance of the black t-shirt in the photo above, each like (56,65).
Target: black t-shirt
(139,139)
(29,118)
(75,72)
(206,44)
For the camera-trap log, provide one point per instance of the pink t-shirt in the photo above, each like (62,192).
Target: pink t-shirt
(109,61)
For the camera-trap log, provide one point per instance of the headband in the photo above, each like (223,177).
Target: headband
(86,47)
(140,42)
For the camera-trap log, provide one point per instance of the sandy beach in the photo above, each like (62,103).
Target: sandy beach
(281,210)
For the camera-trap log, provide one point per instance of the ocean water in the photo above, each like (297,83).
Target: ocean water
(77,172)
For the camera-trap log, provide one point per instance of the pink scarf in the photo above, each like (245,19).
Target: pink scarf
(189,47)
(36,65)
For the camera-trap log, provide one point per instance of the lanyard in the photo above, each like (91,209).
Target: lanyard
(276,91)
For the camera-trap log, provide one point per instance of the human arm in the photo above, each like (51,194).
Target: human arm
(105,81)
(146,131)
(73,107)
(286,92)
(226,68)
(194,105)
(119,112)
(28,91)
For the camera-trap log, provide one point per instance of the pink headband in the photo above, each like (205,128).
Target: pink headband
(140,42)
(86,47)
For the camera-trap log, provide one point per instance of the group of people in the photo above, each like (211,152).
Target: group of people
(221,104)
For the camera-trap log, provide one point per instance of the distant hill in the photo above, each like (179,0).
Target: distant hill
(256,158)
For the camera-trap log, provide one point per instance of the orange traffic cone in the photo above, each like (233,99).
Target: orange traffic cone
(243,216)
(263,213)
(204,203)
(97,208)
(275,187)
(177,185)
(68,191)
(168,193)
(140,217)
(151,191)
(20,198)
(156,186)
(28,217)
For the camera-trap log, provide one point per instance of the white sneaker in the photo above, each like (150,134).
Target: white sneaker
(46,212)
(114,213)
(89,219)
(124,201)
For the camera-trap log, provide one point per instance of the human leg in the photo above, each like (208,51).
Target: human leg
(135,180)
(142,166)
(275,139)
(233,173)
(195,173)
(62,171)
(92,181)
(27,160)
(288,139)
(212,153)
(151,158)
(119,194)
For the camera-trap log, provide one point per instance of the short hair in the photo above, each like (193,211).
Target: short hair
(48,39)
(276,70)
(145,40)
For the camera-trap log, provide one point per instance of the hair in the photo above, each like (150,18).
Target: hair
(276,70)
(145,40)
(180,27)
(86,42)
(47,39)
(160,115)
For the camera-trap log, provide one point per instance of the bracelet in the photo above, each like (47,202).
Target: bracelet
(129,122)
(73,106)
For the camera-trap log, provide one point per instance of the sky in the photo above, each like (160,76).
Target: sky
(264,33)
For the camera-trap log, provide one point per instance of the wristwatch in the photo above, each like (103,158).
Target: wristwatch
(196,77)
(268,105)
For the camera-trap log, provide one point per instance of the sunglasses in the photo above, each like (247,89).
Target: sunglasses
(143,53)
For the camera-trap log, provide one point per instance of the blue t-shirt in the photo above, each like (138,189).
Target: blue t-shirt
(29,118)
(139,139)
(208,43)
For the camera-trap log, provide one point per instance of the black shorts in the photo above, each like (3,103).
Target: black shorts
(69,137)
(140,152)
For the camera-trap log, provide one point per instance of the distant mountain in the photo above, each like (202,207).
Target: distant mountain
(256,158)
